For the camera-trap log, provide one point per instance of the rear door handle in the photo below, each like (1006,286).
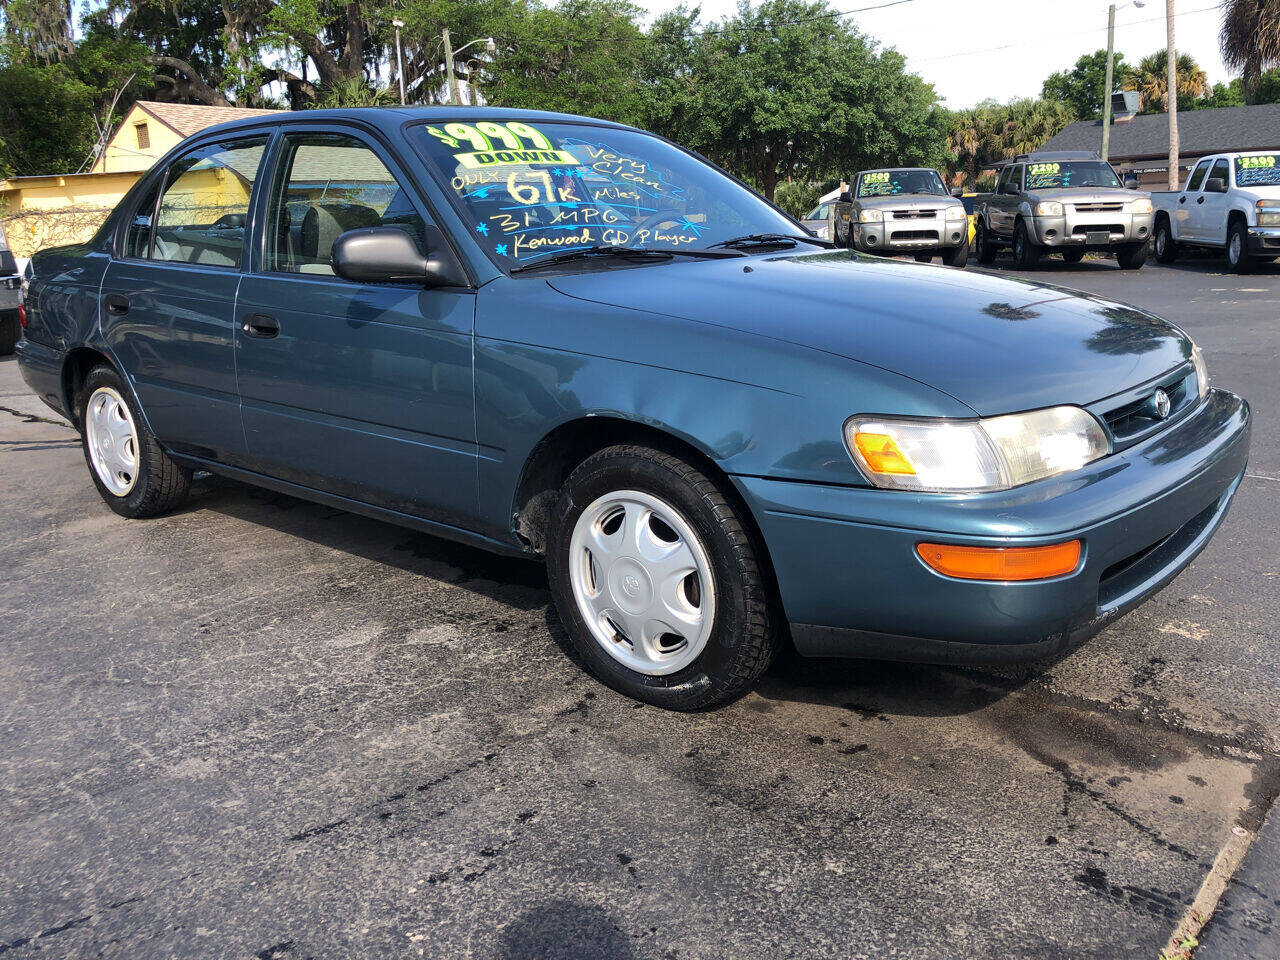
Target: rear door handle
(260,325)
(117,304)
(1200,200)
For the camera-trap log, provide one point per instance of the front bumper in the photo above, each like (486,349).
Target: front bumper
(1079,229)
(1264,241)
(915,235)
(852,584)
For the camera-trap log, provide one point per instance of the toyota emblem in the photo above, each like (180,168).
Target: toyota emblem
(1161,402)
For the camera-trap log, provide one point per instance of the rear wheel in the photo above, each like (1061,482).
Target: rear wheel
(984,249)
(956,256)
(131,471)
(1026,255)
(1132,256)
(657,580)
(1166,246)
(10,332)
(1238,258)
(1072,256)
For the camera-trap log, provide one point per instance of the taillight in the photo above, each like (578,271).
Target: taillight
(22,315)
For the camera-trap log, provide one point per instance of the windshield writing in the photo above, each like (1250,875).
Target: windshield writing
(890,183)
(1262,170)
(532,190)
(1070,173)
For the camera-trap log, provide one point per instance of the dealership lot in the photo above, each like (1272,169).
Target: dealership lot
(262,727)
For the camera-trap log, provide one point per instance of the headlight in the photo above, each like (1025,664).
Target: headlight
(1268,213)
(1141,205)
(870,216)
(956,213)
(1048,208)
(994,453)
(1202,372)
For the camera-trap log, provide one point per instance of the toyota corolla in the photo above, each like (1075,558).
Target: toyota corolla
(563,338)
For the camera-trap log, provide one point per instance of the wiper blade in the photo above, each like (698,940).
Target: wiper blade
(771,240)
(613,250)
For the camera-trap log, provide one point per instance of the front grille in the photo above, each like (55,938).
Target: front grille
(1098,207)
(1082,229)
(914,214)
(1140,416)
(914,235)
(1119,580)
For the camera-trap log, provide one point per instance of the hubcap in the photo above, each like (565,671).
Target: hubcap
(112,440)
(1234,248)
(642,582)
(1160,242)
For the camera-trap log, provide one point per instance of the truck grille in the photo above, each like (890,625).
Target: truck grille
(1139,417)
(914,235)
(1098,207)
(914,214)
(1083,229)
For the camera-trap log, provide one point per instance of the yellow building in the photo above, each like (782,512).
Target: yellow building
(45,211)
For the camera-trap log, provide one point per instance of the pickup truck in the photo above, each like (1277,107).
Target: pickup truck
(10,299)
(1067,202)
(901,210)
(1230,202)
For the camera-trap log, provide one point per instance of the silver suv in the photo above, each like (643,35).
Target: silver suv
(900,210)
(1069,202)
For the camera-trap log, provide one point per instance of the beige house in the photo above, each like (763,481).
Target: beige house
(43,211)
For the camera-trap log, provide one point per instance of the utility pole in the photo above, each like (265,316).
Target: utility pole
(454,96)
(1108,86)
(1172,82)
(399,59)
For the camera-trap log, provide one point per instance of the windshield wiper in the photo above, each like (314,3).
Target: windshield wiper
(771,240)
(613,250)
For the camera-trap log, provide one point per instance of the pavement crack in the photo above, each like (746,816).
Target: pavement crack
(33,418)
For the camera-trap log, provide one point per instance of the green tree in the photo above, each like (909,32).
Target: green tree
(1250,41)
(46,119)
(784,89)
(1082,87)
(990,132)
(1150,78)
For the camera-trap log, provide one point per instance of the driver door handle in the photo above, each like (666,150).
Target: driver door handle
(261,326)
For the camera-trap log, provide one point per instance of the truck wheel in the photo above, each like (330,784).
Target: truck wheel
(657,580)
(1072,256)
(984,249)
(956,256)
(1166,246)
(1026,255)
(130,469)
(10,332)
(1132,256)
(1238,258)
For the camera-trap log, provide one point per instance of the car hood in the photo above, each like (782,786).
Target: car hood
(997,345)
(908,201)
(1086,195)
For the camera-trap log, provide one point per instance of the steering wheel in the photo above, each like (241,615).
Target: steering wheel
(662,216)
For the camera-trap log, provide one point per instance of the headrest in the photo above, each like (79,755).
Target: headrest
(325,221)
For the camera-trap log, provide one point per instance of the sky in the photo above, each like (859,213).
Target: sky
(1002,49)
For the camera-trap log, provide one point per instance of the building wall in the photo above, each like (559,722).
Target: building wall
(39,212)
(124,153)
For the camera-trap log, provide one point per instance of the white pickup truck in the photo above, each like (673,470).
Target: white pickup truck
(1230,202)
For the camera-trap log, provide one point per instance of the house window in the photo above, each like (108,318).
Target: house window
(144,136)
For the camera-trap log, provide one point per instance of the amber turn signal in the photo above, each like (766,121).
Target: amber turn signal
(881,453)
(1001,563)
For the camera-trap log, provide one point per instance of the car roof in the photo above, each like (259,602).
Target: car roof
(392,118)
(882,169)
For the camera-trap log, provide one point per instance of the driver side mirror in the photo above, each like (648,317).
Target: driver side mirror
(957,191)
(386,255)
(1009,188)
(1215,185)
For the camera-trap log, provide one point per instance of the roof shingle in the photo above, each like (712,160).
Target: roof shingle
(188,118)
(1200,132)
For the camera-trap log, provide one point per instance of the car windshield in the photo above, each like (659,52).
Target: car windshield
(1259,170)
(533,190)
(1070,173)
(889,183)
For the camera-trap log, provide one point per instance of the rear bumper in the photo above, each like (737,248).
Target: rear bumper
(41,368)
(1264,241)
(1083,229)
(852,583)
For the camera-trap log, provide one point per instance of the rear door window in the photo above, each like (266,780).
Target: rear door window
(329,184)
(205,206)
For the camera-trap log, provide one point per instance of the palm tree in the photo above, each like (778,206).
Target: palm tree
(967,140)
(1250,40)
(1150,79)
(354,92)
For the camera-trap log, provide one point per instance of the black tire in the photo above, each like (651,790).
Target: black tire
(1166,248)
(956,256)
(1026,255)
(1238,256)
(742,641)
(1132,255)
(1072,256)
(160,484)
(10,332)
(984,249)
(924,258)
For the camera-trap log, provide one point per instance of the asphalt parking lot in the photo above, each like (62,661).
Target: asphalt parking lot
(263,728)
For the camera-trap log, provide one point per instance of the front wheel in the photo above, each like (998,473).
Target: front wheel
(1132,256)
(956,256)
(1166,246)
(1026,255)
(657,580)
(984,249)
(130,469)
(1238,258)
